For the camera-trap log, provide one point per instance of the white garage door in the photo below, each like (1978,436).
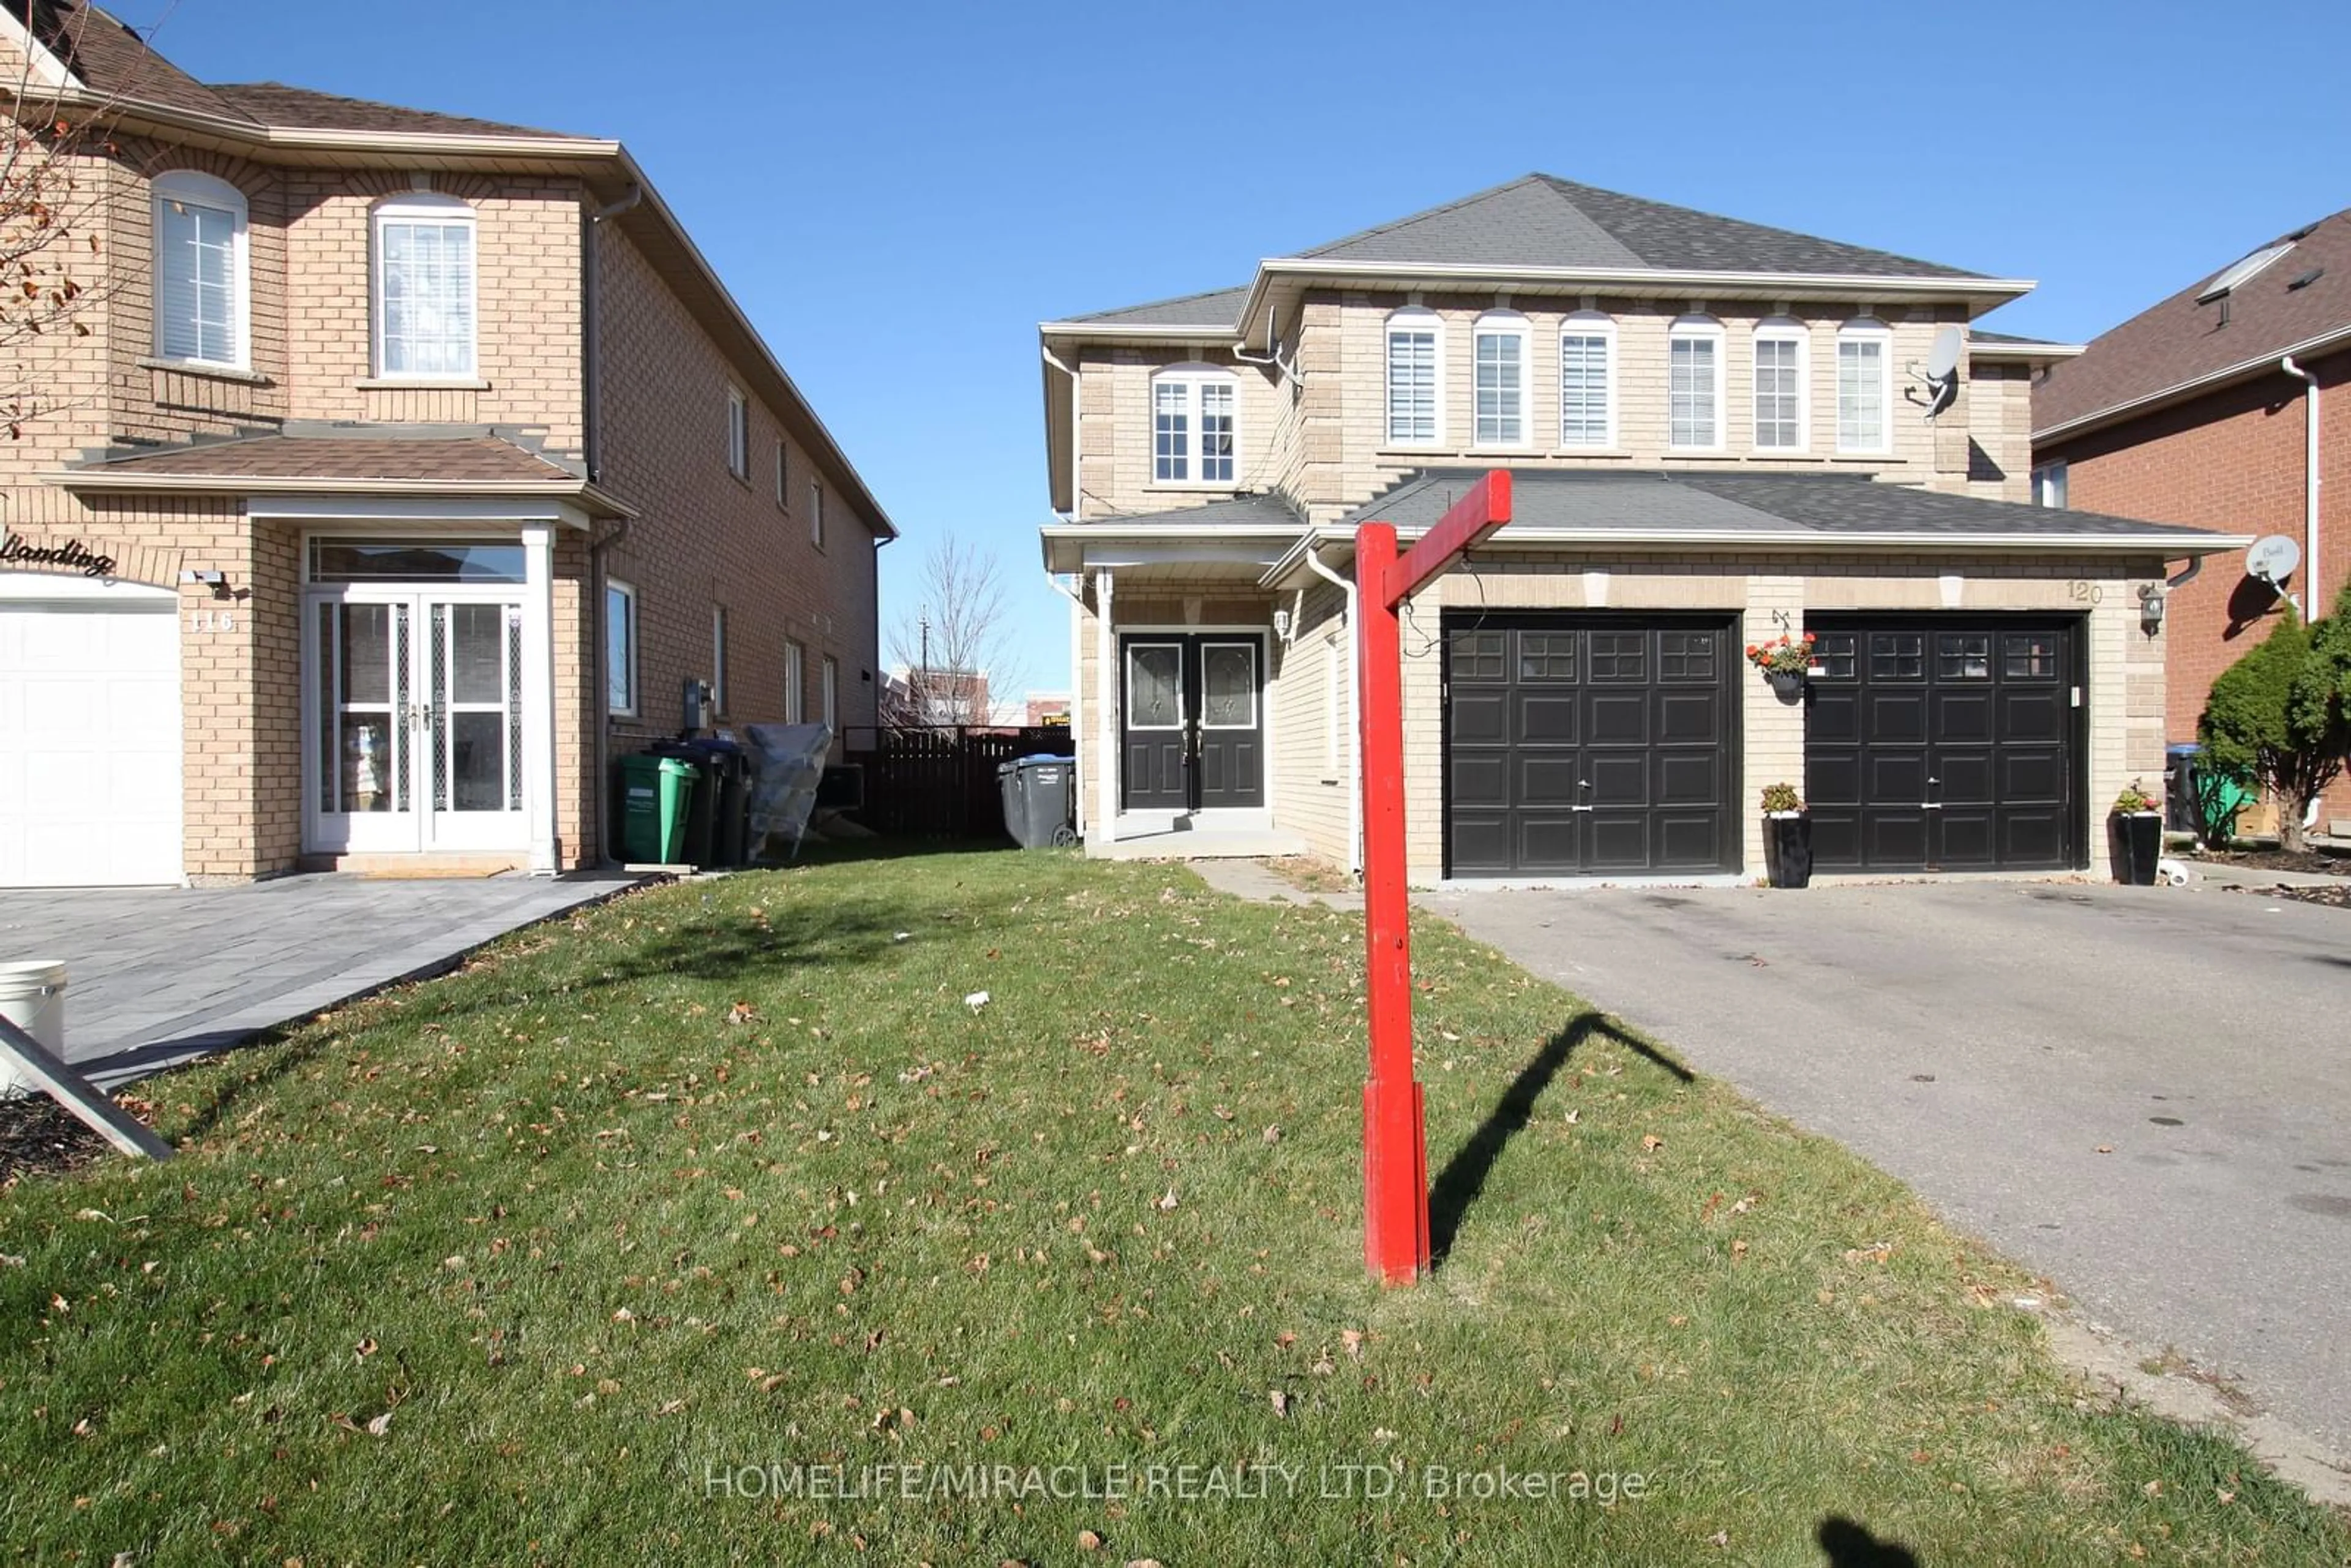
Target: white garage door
(89,740)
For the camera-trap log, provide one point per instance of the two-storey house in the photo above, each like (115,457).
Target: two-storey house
(405,470)
(1719,434)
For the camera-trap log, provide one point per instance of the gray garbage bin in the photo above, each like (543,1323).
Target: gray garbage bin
(1036,799)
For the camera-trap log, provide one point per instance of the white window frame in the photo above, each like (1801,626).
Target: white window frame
(627,647)
(781,492)
(1190,381)
(816,513)
(795,682)
(1705,329)
(1781,330)
(2050,484)
(1590,324)
(738,433)
(190,188)
(1867,329)
(832,693)
(1415,320)
(423,206)
(719,695)
(1498,325)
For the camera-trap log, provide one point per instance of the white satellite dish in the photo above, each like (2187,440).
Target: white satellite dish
(2272,559)
(1942,371)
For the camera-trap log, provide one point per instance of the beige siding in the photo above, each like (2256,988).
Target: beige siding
(1999,431)
(1314,746)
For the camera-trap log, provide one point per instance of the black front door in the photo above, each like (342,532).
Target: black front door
(1192,721)
(1943,743)
(1588,744)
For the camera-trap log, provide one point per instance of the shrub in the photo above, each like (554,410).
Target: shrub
(2275,718)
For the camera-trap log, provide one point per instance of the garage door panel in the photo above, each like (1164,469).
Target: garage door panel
(1895,717)
(1968,840)
(1964,779)
(2032,837)
(2042,715)
(1832,716)
(1831,779)
(1962,717)
(1893,777)
(1611,739)
(2032,776)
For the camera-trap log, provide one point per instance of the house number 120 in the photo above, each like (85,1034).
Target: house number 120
(2082,593)
(212,620)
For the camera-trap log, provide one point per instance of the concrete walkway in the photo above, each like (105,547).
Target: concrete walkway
(1251,879)
(159,976)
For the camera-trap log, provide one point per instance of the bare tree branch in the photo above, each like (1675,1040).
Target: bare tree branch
(956,641)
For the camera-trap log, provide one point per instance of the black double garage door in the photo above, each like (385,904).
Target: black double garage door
(1595,744)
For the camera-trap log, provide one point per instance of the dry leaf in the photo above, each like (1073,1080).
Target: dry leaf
(2105,1148)
(1352,1339)
(379,1426)
(1089,1542)
(1281,1401)
(1651,1142)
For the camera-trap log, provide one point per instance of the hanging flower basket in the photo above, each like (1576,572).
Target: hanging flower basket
(1785,661)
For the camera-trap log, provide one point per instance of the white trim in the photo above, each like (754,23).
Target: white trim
(795,682)
(1867,329)
(816,513)
(447,212)
(720,706)
(539,695)
(1695,329)
(1107,670)
(47,68)
(1781,330)
(1130,643)
(1255,645)
(829,693)
(628,592)
(1414,319)
(1590,324)
(1980,349)
(1502,323)
(192,187)
(1194,376)
(462,509)
(739,432)
(21,587)
(782,492)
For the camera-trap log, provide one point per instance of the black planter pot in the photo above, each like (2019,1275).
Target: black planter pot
(2136,840)
(1788,851)
(1788,686)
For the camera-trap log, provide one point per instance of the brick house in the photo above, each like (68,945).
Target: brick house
(1720,433)
(2224,406)
(412,468)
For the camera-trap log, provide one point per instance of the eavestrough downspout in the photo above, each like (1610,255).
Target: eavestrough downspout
(1353,782)
(1106,674)
(1077,701)
(2313,605)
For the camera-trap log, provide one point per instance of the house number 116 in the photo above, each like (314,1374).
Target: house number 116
(212,620)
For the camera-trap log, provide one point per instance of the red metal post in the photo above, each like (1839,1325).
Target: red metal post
(1395,1152)
(1395,1131)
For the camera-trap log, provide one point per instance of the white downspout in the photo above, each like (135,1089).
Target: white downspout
(1077,700)
(1354,783)
(2316,606)
(1105,678)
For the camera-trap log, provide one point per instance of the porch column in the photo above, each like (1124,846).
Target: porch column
(539,695)
(1107,679)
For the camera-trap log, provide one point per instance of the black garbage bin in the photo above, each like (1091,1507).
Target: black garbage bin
(701,806)
(2179,789)
(1037,801)
(728,768)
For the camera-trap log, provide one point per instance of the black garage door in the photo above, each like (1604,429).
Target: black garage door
(1942,743)
(1589,744)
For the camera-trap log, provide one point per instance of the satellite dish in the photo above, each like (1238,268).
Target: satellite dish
(2272,559)
(1941,375)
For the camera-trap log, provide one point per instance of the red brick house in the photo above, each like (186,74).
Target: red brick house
(2224,407)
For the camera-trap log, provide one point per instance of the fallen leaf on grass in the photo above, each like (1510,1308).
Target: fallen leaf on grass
(977,1000)
(1089,1542)
(1353,1340)
(1274,1135)
(1168,1201)
(1280,1400)
(1652,1142)
(742,1013)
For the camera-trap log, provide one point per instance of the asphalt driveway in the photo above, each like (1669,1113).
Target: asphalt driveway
(160,976)
(1985,1042)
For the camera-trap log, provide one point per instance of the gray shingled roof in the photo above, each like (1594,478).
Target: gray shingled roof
(1638,505)
(1978,335)
(1259,511)
(1218,308)
(1539,220)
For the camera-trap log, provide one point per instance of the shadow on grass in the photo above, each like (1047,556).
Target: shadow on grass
(1464,1177)
(848,852)
(1849,1545)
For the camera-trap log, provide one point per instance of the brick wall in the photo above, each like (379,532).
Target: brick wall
(2231,462)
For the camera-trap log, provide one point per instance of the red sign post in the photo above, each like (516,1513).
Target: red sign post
(1395,1137)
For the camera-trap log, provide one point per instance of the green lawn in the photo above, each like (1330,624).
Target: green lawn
(587,1252)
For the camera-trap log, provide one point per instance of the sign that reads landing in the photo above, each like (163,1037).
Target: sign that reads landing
(73,554)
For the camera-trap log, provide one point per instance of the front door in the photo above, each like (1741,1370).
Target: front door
(416,722)
(1193,722)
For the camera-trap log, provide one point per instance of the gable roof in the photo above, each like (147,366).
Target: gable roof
(1540,220)
(458,460)
(1216,308)
(110,59)
(2185,346)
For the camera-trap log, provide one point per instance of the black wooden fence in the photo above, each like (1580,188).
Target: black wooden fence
(939,782)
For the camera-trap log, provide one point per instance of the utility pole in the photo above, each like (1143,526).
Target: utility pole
(922,682)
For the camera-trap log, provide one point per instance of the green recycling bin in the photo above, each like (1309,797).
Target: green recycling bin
(655,793)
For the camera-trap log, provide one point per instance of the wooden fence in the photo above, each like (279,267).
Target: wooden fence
(939,781)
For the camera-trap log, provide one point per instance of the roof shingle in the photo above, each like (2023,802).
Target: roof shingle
(114,61)
(299,108)
(1218,307)
(464,460)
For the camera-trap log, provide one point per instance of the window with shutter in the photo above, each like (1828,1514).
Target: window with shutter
(1587,352)
(200,271)
(1412,354)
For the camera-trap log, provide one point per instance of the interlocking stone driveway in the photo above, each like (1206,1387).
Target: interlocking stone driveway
(157,976)
(2143,1092)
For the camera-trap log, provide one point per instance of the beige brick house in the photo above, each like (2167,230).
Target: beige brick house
(412,468)
(1720,433)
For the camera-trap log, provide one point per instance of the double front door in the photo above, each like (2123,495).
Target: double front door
(415,724)
(1193,722)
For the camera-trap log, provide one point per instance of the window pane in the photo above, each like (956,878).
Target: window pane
(1834,653)
(1897,656)
(1779,394)
(1963,656)
(352,560)
(2029,655)
(1170,430)
(1228,685)
(620,649)
(1547,655)
(1412,385)
(1217,432)
(196,284)
(1500,390)
(1583,390)
(428,297)
(1620,655)
(1153,701)
(1474,656)
(1861,395)
(1690,393)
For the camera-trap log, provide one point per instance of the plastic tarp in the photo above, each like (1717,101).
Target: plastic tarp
(788,763)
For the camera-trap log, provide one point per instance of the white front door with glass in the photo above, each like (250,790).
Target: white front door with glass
(415,727)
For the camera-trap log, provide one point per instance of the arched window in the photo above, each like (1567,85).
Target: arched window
(1864,386)
(425,288)
(1500,355)
(1780,356)
(1415,340)
(1587,381)
(1195,426)
(1694,384)
(201,292)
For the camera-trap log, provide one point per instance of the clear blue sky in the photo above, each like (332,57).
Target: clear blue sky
(898,193)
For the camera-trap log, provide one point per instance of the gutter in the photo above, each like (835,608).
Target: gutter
(2310,479)
(2243,369)
(1354,785)
(1077,698)
(99,482)
(1069,514)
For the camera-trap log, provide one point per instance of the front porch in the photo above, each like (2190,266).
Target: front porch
(1196,835)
